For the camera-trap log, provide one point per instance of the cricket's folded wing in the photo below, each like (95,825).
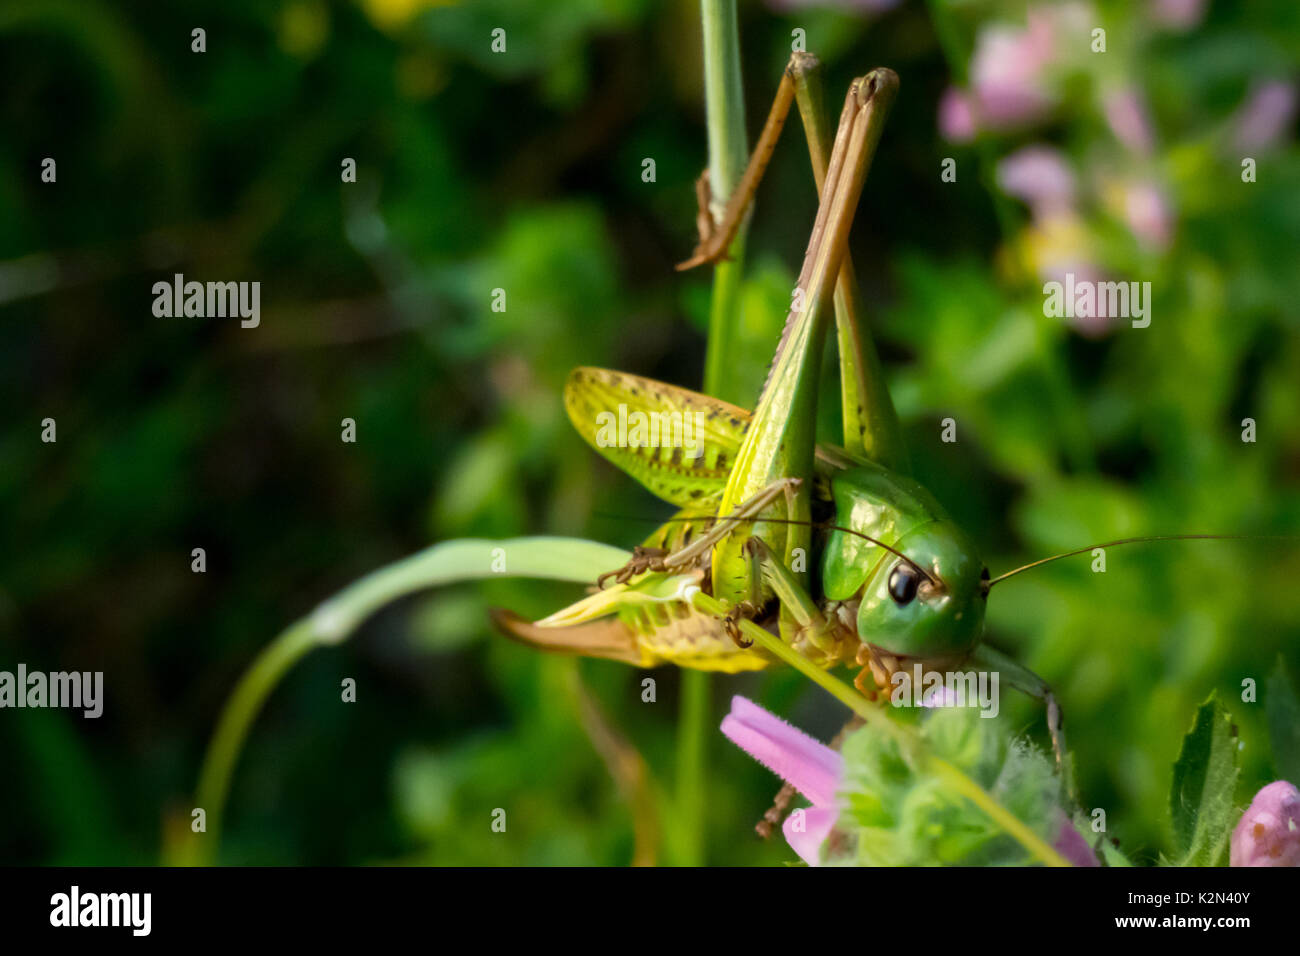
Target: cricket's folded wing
(679,444)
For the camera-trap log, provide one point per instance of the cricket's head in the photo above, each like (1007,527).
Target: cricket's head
(927,599)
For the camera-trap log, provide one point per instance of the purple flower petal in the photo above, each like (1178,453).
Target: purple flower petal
(1127,115)
(1148,215)
(1178,14)
(1266,116)
(956,117)
(1268,833)
(1007,73)
(810,767)
(1071,845)
(941,696)
(806,829)
(1041,177)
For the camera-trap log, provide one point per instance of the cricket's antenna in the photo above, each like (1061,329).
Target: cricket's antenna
(825,526)
(928,575)
(988,585)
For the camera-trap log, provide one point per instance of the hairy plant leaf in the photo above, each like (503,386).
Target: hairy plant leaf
(899,814)
(1205,774)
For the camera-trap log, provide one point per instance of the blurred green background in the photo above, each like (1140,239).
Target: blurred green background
(523,171)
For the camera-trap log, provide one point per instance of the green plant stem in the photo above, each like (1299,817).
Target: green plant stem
(907,738)
(232,729)
(728,153)
(694,720)
(559,559)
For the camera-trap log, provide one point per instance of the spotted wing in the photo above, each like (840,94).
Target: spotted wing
(679,444)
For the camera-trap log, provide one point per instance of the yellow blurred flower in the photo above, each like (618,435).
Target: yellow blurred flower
(303,27)
(390,15)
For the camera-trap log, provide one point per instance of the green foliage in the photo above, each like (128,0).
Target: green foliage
(1283,708)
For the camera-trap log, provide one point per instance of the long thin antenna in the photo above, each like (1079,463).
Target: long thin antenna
(1112,544)
(928,575)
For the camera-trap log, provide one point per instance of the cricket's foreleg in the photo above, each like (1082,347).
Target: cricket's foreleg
(776,813)
(643,559)
(748,607)
(1026,681)
(803,625)
(660,559)
(748,510)
(802,622)
(810,625)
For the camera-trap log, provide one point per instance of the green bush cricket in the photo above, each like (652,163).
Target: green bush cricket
(834,548)
(897,582)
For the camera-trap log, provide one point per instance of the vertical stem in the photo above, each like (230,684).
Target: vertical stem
(236,720)
(693,723)
(728,152)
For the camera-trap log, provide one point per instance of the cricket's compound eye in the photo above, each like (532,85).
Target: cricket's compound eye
(903,581)
(984,583)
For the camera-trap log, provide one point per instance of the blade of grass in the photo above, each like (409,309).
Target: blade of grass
(728,153)
(557,559)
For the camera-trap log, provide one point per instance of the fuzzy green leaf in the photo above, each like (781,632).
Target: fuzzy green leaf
(1205,774)
(899,814)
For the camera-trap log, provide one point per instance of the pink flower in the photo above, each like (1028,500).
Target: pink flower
(1008,77)
(1266,116)
(1147,212)
(1041,177)
(956,116)
(1269,831)
(1006,73)
(806,829)
(1071,845)
(1178,14)
(1127,115)
(809,766)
